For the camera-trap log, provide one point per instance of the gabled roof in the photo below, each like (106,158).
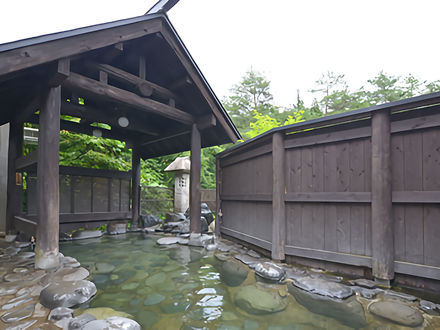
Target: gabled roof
(170,69)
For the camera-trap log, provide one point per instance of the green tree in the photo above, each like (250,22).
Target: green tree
(334,90)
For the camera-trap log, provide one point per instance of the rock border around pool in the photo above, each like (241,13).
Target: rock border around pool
(32,298)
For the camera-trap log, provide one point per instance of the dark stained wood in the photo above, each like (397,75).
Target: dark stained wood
(25,57)
(46,250)
(142,67)
(195,195)
(381,195)
(278,208)
(329,197)
(246,155)
(26,161)
(14,191)
(417,270)
(248,238)
(163,138)
(218,190)
(92,88)
(145,87)
(206,122)
(25,225)
(247,197)
(103,77)
(62,71)
(136,186)
(93,114)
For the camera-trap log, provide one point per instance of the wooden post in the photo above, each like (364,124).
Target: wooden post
(278,193)
(135,186)
(381,198)
(14,191)
(46,250)
(218,202)
(194,189)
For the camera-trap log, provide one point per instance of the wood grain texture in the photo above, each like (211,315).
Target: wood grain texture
(195,194)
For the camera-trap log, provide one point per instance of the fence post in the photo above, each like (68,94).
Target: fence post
(381,198)
(194,183)
(218,202)
(278,193)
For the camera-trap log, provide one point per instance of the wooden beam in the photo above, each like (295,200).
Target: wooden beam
(206,122)
(163,138)
(381,198)
(142,67)
(278,193)
(182,82)
(44,52)
(14,191)
(46,250)
(92,88)
(135,186)
(62,71)
(24,162)
(195,194)
(108,117)
(145,87)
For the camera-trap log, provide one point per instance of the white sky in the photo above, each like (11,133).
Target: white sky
(291,42)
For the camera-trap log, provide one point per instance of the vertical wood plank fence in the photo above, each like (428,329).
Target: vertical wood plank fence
(360,188)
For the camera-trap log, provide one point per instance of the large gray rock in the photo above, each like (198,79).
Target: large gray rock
(270,271)
(233,273)
(400,295)
(247,260)
(114,323)
(174,217)
(429,307)
(397,312)
(168,240)
(324,288)
(59,313)
(66,274)
(364,283)
(85,234)
(199,240)
(67,294)
(149,220)
(347,311)
(116,228)
(257,300)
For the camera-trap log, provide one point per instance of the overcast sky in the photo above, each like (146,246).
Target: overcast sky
(291,42)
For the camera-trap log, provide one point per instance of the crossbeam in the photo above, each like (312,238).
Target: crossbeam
(95,89)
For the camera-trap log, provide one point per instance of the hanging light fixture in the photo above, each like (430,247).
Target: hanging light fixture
(123,121)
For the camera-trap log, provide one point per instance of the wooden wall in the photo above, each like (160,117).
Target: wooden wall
(86,196)
(327,192)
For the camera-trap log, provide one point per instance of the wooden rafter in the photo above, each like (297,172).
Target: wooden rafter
(95,89)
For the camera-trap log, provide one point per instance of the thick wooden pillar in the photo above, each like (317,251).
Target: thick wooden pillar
(278,194)
(135,186)
(381,198)
(14,190)
(194,188)
(218,202)
(46,250)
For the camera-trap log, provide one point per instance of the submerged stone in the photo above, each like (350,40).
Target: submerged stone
(9,288)
(78,322)
(67,294)
(347,311)
(175,307)
(101,313)
(147,318)
(233,273)
(270,271)
(18,314)
(16,302)
(324,288)
(155,279)
(153,299)
(104,268)
(397,312)
(114,322)
(256,300)
(429,307)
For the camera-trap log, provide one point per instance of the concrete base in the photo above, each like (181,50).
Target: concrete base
(46,260)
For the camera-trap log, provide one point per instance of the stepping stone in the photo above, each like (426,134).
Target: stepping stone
(9,288)
(429,307)
(81,320)
(364,283)
(67,294)
(10,238)
(114,322)
(59,313)
(26,255)
(270,271)
(85,234)
(397,312)
(22,326)
(18,314)
(324,288)
(347,311)
(168,240)
(13,303)
(22,244)
(247,260)
(401,295)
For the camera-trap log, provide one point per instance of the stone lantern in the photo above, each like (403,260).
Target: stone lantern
(181,167)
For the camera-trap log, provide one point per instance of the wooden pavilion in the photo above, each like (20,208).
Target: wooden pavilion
(135,75)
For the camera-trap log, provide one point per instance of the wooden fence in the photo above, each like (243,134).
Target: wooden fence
(88,197)
(360,189)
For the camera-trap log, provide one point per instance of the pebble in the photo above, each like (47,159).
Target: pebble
(22,326)
(18,314)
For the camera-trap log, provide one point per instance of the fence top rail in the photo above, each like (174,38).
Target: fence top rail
(405,104)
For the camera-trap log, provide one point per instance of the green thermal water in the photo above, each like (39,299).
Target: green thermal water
(177,287)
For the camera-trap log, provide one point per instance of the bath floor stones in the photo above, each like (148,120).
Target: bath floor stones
(258,300)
